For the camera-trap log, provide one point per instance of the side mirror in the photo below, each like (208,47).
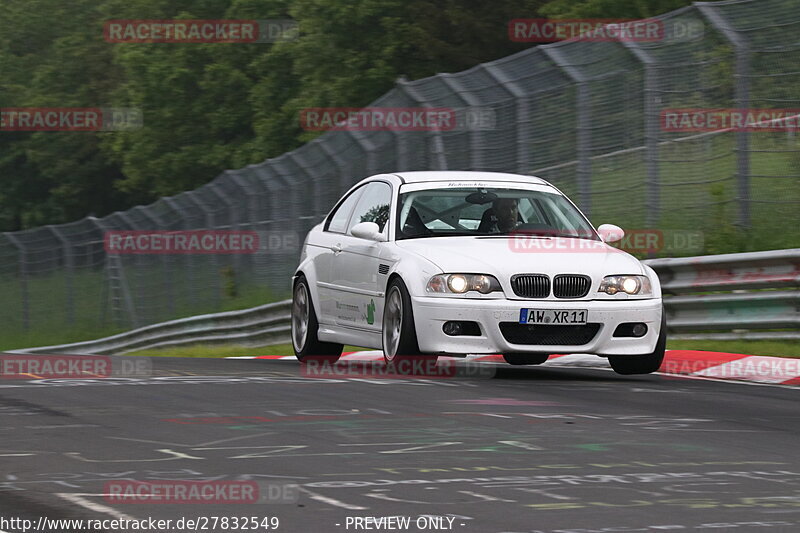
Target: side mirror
(610,232)
(368,230)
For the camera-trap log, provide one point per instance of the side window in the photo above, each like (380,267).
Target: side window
(373,206)
(338,219)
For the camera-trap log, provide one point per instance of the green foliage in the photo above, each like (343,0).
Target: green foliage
(206,107)
(378,214)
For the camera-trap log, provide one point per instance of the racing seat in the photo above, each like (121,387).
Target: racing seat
(489,219)
(414,226)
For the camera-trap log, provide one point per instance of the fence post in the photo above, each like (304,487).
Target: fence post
(23,280)
(583,126)
(167,261)
(250,195)
(522,107)
(217,287)
(336,159)
(742,96)
(251,201)
(70,268)
(652,125)
(437,148)
(369,151)
(170,201)
(233,217)
(475,150)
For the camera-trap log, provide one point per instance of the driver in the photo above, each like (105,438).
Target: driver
(502,217)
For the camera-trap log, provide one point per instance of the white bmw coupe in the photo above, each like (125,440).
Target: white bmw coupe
(422,264)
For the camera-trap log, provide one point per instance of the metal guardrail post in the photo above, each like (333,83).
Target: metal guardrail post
(368,148)
(475,138)
(167,260)
(522,106)
(209,223)
(251,213)
(233,216)
(23,280)
(69,266)
(334,158)
(583,126)
(652,105)
(742,78)
(192,296)
(436,147)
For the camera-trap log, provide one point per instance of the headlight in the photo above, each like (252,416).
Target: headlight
(627,284)
(462,283)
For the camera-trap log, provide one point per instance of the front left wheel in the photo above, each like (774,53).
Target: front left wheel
(399,335)
(305,342)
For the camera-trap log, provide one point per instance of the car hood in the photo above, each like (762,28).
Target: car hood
(503,257)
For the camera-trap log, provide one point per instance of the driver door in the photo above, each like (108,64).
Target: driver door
(358,295)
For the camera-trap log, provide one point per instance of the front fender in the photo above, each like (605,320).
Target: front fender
(653,280)
(414,269)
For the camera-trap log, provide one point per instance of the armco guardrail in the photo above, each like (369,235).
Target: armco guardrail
(258,326)
(732,296)
(750,295)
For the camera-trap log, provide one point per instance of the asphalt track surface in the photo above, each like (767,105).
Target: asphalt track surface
(527,449)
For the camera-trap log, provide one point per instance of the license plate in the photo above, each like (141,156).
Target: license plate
(551,316)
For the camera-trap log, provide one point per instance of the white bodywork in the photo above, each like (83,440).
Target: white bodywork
(345,281)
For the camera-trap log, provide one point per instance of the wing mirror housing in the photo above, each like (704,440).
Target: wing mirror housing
(369,231)
(610,232)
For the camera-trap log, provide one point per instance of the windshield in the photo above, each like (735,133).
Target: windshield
(478,211)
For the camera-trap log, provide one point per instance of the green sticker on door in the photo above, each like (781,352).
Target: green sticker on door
(371,312)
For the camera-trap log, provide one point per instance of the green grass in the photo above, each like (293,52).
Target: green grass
(48,299)
(773,348)
(199,350)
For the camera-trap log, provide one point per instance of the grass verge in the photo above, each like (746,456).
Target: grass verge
(199,350)
(775,348)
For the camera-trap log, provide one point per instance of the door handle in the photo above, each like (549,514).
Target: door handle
(336,248)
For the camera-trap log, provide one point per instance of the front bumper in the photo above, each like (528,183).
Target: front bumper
(430,313)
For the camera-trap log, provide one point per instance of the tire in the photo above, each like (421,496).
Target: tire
(525,358)
(305,342)
(643,364)
(398,334)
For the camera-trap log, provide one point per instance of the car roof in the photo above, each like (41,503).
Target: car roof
(465,175)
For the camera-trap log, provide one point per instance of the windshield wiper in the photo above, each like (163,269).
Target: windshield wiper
(428,235)
(542,235)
